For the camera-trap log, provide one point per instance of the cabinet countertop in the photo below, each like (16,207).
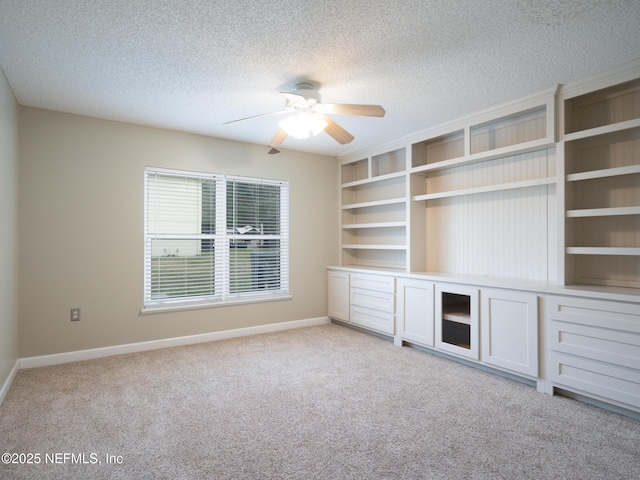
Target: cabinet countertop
(591,291)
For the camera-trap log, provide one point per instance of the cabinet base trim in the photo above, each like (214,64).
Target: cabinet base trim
(596,403)
(485,368)
(362,329)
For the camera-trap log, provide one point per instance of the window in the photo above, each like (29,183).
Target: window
(213,238)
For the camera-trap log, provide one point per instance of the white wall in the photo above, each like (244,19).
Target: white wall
(8,230)
(81,230)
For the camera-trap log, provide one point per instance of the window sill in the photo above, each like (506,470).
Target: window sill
(177,307)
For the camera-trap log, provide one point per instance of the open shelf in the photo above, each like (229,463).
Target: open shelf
(517,128)
(355,171)
(388,163)
(437,150)
(358,246)
(532,146)
(374,225)
(457,320)
(603,212)
(380,178)
(373,208)
(370,169)
(459,317)
(383,258)
(603,130)
(602,190)
(524,170)
(631,251)
(604,173)
(488,188)
(603,110)
(603,270)
(387,189)
(374,203)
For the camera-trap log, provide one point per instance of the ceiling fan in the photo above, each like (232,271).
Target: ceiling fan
(308,116)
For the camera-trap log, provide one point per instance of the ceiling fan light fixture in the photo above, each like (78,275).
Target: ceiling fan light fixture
(302,125)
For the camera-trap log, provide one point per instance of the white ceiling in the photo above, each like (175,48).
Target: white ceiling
(191,65)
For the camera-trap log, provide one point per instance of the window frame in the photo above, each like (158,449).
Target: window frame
(221,240)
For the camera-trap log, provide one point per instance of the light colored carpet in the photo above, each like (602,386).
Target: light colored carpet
(322,402)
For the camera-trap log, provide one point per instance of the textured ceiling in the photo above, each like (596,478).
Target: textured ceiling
(192,65)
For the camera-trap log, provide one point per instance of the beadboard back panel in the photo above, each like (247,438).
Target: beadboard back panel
(497,234)
(516,168)
(500,233)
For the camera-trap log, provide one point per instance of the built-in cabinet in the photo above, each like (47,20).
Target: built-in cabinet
(338,295)
(415,312)
(595,349)
(485,220)
(495,327)
(372,302)
(590,347)
(509,330)
(457,318)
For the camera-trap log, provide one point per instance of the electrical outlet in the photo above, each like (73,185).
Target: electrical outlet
(75,314)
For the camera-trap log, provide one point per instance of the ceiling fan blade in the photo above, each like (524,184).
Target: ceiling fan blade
(278,139)
(338,133)
(348,109)
(257,116)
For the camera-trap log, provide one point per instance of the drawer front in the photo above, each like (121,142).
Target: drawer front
(373,319)
(595,348)
(603,331)
(598,313)
(610,382)
(377,283)
(603,344)
(384,302)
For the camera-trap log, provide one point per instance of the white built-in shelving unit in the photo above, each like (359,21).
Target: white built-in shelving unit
(479,190)
(374,221)
(500,194)
(443,200)
(509,239)
(601,145)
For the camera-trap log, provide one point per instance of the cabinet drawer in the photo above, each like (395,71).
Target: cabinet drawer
(610,382)
(603,331)
(377,283)
(599,313)
(373,319)
(595,348)
(603,344)
(371,299)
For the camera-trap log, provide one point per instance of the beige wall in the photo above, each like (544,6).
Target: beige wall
(81,230)
(8,230)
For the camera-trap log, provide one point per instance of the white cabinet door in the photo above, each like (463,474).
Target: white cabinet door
(510,330)
(338,295)
(415,310)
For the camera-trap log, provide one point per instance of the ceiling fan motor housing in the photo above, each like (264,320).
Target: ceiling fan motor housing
(307,91)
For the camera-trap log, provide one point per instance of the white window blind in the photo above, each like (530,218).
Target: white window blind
(214,238)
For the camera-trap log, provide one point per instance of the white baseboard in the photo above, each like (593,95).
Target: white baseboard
(76,356)
(7,383)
